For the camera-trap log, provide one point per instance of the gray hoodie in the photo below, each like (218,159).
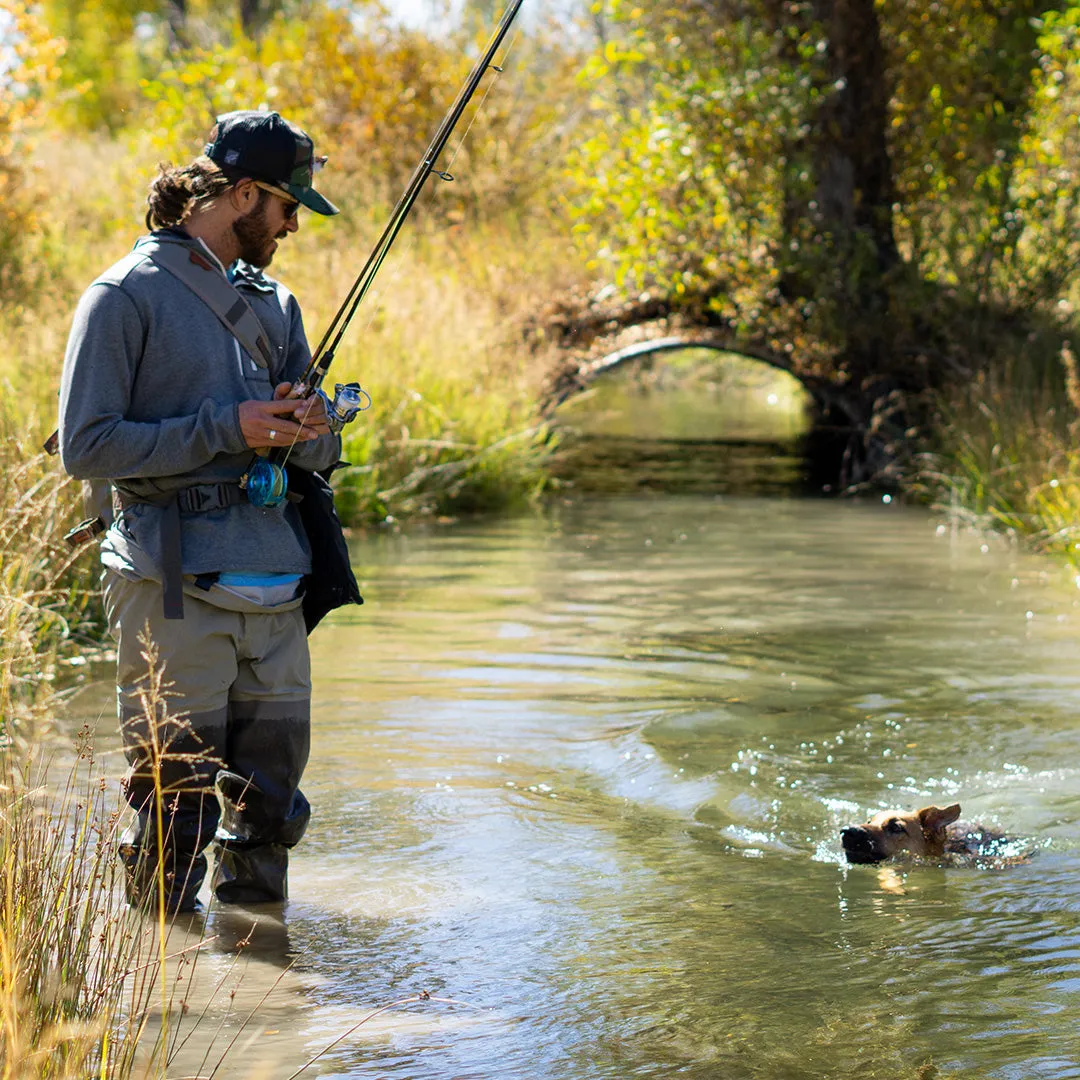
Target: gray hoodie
(149,400)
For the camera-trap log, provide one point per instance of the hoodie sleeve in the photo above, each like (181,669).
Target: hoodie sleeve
(324,451)
(97,441)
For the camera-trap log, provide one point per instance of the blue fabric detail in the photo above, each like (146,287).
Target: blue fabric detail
(238,578)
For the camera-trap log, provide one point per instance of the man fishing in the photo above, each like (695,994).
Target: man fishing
(179,368)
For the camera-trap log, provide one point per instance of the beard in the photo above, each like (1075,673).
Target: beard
(254,236)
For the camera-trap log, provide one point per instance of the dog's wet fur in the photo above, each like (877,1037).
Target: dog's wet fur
(932,833)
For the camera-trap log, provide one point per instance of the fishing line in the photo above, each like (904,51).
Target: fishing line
(355,297)
(266,479)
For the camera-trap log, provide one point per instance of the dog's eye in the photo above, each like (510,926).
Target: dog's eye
(893,825)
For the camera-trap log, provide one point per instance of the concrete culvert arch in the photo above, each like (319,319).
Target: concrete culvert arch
(677,412)
(842,450)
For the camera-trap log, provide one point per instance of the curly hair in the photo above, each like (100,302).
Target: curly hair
(175,192)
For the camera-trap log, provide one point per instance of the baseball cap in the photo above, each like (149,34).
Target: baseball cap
(265,146)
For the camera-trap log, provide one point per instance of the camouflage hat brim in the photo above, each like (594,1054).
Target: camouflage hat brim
(309,197)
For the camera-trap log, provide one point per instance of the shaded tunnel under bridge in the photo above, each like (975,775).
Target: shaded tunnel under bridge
(840,452)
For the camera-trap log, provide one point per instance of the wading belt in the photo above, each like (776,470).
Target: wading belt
(199,498)
(210,285)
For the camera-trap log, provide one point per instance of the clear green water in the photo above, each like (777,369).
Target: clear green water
(690,421)
(586,772)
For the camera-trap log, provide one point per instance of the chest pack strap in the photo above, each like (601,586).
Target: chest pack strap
(215,290)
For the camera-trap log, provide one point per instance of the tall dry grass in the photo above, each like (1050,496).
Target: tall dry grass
(1006,455)
(88,984)
(42,608)
(454,425)
(66,945)
(82,975)
(69,947)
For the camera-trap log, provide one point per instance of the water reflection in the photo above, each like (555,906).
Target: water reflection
(691,421)
(587,773)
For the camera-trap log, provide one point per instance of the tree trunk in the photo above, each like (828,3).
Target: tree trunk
(249,16)
(176,14)
(855,191)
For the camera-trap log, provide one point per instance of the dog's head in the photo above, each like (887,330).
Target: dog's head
(893,831)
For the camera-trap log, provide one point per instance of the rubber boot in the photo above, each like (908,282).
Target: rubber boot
(252,843)
(184,869)
(251,875)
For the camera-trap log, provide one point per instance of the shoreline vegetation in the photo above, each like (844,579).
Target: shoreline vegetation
(455,425)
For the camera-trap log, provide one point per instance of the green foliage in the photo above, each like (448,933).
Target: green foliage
(370,92)
(718,134)
(1046,180)
(976,134)
(682,175)
(1004,453)
(369,101)
(109,44)
(447,452)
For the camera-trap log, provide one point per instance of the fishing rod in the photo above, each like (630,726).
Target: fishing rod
(266,482)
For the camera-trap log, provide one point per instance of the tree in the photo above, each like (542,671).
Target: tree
(857,184)
(113,46)
(29,58)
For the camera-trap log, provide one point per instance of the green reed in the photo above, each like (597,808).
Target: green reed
(1005,455)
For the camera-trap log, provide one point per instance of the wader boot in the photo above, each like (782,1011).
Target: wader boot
(189,815)
(188,830)
(264,812)
(242,679)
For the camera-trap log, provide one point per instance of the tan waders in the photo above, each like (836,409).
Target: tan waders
(235,726)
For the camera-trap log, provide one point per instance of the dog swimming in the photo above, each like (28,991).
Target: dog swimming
(932,834)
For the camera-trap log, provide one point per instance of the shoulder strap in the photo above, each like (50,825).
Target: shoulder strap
(215,290)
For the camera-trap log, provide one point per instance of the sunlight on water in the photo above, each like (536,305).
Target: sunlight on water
(586,773)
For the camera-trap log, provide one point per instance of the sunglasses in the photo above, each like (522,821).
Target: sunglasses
(291,204)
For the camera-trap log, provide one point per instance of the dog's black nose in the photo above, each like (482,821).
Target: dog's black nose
(858,845)
(856,838)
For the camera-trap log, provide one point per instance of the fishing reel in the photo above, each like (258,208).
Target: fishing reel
(266,482)
(349,399)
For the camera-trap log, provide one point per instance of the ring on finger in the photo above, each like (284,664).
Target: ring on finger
(273,434)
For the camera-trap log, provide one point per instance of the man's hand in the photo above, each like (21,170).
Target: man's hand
(284,420)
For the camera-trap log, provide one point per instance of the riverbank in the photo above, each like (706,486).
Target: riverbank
(1003,455)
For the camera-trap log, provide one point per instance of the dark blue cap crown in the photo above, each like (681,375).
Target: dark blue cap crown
(266,147)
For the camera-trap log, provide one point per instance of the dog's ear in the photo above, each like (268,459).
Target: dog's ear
(933,818)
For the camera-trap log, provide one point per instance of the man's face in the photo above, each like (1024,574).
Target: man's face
(259,230)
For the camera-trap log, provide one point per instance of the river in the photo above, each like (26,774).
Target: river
(584,773)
